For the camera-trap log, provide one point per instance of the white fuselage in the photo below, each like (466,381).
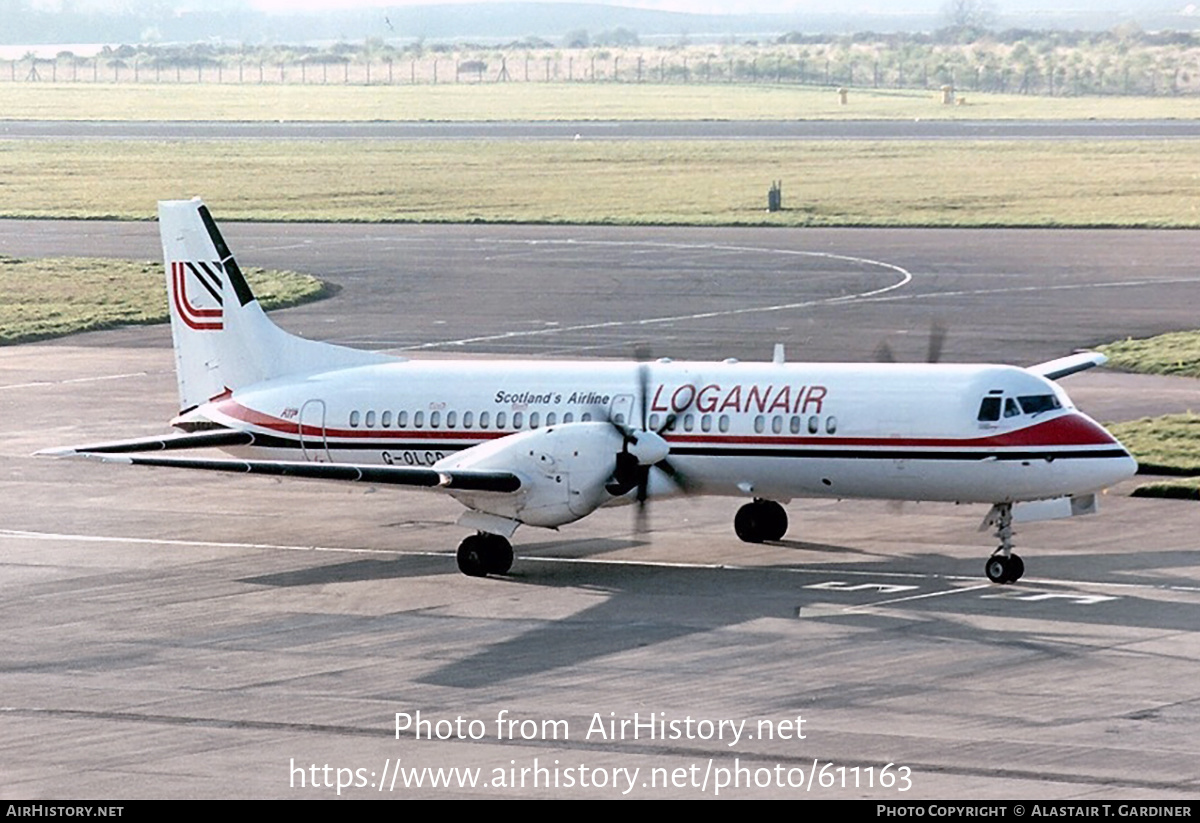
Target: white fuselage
(767,430)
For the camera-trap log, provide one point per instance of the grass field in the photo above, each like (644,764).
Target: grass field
(547,101)
(850,183)
(50,297)
(1177,353)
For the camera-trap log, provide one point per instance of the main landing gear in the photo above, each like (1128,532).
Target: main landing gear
(1004,566)
(760,521)
(482,554)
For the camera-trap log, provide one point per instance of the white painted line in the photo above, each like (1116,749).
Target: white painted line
(93,379)
(905,278)
(19,534)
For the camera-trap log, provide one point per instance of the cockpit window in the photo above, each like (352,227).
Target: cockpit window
(989,410)
(1010,408)
(1038,403)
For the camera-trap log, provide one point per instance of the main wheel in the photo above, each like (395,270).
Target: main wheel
(775,524)
(499,554)
(473,555)
(759,521)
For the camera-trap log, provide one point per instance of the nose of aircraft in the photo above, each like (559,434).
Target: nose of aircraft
(1117,463)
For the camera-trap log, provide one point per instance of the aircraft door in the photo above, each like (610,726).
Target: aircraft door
(621,409)
(313,446)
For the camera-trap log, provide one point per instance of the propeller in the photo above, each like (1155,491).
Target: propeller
(642,449)
(933,353)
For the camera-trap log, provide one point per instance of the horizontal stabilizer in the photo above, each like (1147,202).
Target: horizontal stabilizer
(1063,366)
(458,480)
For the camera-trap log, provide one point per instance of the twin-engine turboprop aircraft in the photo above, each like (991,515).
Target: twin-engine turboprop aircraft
(545,443)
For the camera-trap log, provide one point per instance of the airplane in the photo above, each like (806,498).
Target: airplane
(546,443)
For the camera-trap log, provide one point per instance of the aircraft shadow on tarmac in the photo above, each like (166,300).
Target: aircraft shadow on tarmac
(646,605)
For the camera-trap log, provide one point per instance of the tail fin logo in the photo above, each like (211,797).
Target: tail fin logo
(202,309)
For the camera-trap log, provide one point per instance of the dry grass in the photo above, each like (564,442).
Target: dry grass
(547,101)
(641,182)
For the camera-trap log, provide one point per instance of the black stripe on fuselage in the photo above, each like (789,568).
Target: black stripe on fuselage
(276,441)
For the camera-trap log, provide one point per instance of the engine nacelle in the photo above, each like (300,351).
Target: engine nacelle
(563,471)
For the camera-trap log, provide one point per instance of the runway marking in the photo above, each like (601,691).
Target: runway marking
(925,596)
(905,278)
(92,379)
(1075,599)
(1019,289)
(21,534)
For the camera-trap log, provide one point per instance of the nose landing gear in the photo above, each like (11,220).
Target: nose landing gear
(1003,566)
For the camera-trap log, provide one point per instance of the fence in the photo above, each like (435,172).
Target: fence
(1044,78)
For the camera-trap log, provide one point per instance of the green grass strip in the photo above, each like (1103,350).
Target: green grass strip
(51,297)
(1163,445)
(1177,353)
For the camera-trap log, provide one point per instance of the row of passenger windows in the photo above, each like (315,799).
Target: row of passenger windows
(451,419)
(485,420)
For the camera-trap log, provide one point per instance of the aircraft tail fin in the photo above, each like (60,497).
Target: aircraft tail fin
(223,339)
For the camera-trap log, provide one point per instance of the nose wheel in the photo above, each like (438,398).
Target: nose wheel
(1003,566)
(1000,569)
(482,554)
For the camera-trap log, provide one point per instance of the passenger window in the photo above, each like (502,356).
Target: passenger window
(723,423)
(534,420)
(777,424)
(654,422)
(586,418)
(484,419)
(354,418)
(435,419)
(468,419)
(795,426)
(386,421)
(814,424)
(518,419)
(501,419)
(989,410)
(568,418)
(451,419)
(830,424)
(419,420)
(706,423)
(689,422)
(371,419)
(759,424)
(551,418)
(402,420)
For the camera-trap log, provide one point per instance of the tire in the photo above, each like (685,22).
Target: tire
(473,556)
(996,569)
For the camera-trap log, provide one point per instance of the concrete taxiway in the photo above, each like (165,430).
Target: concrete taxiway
(185,635)
(72,130)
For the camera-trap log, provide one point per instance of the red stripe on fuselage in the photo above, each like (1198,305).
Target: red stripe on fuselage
(1066,430)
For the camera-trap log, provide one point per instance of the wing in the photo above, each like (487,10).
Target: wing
(1063,366)
(452,479)
(168,442)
